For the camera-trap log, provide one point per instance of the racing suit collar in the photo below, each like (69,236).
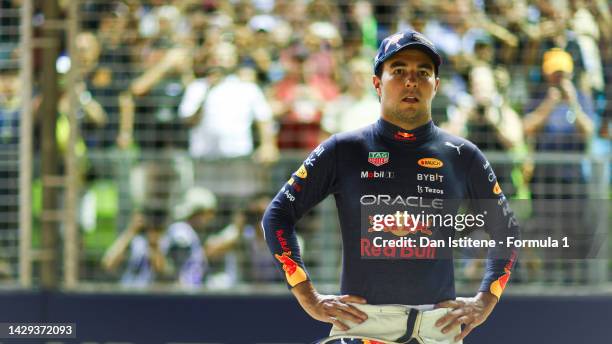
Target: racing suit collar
(397,134)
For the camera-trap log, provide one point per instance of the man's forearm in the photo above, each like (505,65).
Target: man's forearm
(306,294)
(534,121)
(509,129)
(584,124)
(126,113)
(266,133)
(145,82)
(115,253)
(95,112)
(488,298)
(158,261)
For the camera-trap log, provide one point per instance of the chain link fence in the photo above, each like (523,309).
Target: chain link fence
(139,68)
(10,100)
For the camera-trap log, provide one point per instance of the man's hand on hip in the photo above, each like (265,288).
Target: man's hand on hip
(333,309)
(470,312)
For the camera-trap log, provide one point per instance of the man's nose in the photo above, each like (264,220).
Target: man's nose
(411,79)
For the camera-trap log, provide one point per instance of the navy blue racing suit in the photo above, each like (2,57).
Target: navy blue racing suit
(424,169)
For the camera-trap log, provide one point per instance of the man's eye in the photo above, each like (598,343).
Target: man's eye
(398,71)
(424,73)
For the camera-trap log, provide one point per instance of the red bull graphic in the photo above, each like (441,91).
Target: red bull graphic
(371,341)
(497,287)
(368,249)
(282,241)
(293,272)
(403,136)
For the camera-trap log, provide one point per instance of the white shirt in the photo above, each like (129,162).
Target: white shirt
(138,271)
(182,235)
(450,42)
(229,110)
(348,113)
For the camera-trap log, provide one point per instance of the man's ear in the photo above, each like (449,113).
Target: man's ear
(437,84)
(376,83)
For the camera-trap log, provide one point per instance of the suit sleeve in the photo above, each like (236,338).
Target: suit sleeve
(487,197)
(307,186)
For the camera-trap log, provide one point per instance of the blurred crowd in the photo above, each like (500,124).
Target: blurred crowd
(220,79)
(235,78)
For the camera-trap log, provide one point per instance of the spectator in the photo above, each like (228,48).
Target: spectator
(157,95)
(588,34)
(96,79)
(454,33)
(243,245)
(322,42)
(146,262)
(113,73)
(358,106)
(325,11)
(298,101)
(6,271)
(181,243)
(221,109)
(487,120)
(262,267)
(259,45)
(10,115)
(362,12)
(560,120)
(10,105)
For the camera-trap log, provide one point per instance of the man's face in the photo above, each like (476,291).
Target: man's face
(555,78)
(407,85)
(88,49)
(201,219)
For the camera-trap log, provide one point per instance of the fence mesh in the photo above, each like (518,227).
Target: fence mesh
(159,116)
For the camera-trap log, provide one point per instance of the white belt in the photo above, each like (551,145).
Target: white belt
(400,324)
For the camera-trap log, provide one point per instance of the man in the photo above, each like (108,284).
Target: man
(419,167)
(181,243)
(559,119)
(357,106)
(221,109)
(145,260)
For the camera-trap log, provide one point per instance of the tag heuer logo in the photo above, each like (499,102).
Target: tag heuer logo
(378,158)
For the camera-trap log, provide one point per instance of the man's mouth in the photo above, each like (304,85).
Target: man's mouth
(410,99)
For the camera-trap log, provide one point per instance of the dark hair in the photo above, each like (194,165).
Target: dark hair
(155,217)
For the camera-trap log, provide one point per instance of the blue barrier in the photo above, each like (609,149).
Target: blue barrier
(162,319)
